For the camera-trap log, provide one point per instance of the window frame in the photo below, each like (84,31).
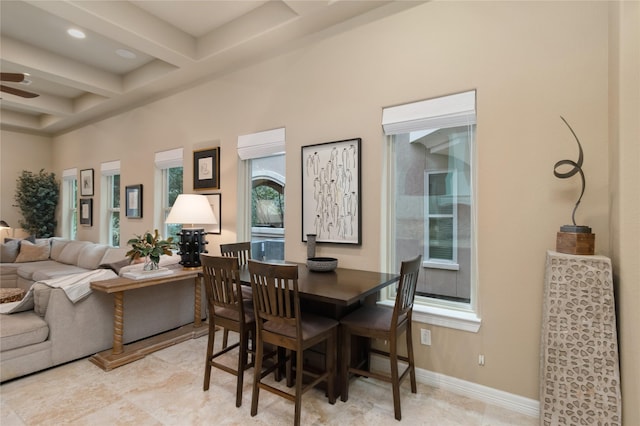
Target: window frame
(451,314)
(70,200)
(112,210)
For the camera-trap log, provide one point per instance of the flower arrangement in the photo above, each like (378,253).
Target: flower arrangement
(149,247)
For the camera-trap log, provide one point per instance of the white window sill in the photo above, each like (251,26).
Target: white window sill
(450,318)
(450,266)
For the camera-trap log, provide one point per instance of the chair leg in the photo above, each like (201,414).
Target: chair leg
(331,366)
(225,338)
(412,368)
(242,361)
(346,362)
(395,380)
(289,355)
(257,370)
(207,366)
(298,409)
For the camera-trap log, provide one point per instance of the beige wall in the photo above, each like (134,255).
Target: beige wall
(530,63)
(20,152)
(624,134)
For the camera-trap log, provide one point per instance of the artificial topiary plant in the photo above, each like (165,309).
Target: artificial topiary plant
(37,197)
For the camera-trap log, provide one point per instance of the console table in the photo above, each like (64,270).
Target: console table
(579,368)
(124,354)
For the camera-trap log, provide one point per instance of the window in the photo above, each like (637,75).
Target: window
(70,203)
(169,164)
(267,207)
(431,169)
(111,178)
(265,168)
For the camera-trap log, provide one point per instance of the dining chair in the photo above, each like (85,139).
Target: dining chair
(384,323)
(241,251)
(279,322)
(228,310)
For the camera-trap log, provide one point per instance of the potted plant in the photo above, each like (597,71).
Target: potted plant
(37,196)
(149,247)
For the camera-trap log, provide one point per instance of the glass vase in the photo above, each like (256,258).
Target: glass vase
(150,265)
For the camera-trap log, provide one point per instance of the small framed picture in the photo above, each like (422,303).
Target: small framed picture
(86,182)
(86,211)
(133,195)
(215,200)
(206,169)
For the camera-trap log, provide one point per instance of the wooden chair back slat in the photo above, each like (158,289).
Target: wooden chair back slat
(240,250)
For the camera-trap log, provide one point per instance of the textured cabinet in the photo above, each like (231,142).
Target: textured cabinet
(579,368)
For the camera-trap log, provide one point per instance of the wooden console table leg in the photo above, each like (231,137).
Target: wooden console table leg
(197,321)
(118,322)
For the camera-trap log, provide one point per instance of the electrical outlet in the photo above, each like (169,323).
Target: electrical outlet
(481,360)
(425,336)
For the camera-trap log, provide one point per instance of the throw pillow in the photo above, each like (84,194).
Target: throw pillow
(30,238)
(30,252)
(9,251)
(116,266)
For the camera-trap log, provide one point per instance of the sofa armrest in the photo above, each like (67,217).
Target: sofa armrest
(79,329)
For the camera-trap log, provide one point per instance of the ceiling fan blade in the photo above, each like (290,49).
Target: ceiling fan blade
(12,76)
(18,92)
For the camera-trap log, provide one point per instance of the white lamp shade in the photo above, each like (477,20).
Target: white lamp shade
(191,209)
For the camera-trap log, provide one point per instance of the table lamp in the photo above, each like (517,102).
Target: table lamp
(191,209)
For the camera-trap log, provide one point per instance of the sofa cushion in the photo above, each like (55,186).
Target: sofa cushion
(91,255)
(56,271)
(114,254)
(22,329)
(57,244)
(30,252)
(9,251)
(27,270)
(71,252)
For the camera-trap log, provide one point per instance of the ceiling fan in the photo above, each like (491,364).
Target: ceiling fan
(15,78)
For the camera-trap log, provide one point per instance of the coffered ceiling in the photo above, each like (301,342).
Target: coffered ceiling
(137,51)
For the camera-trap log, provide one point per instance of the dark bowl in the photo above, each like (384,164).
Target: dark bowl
(322,264)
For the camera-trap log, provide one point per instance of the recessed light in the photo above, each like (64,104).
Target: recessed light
(76,33)
(124,53)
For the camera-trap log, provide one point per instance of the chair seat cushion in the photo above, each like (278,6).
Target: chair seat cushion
(370,317)
(312,325)
(232,314)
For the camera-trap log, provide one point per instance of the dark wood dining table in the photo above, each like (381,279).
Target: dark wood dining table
(335,294)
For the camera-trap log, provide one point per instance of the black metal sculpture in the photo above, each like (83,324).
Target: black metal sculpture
(577,168)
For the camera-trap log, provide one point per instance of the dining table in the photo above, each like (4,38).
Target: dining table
(335,294)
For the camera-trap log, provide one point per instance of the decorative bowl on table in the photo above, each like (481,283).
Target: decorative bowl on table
(322,264)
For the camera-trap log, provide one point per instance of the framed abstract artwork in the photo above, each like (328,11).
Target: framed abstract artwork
(133,196)
(86,182)
(206,169)
(331,192)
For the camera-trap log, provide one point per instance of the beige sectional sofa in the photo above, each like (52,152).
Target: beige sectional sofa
(55,329)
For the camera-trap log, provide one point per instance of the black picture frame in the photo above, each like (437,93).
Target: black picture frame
(215,200)
(86,211)
(133,197)
(206,169)
(331,192)
(86,182)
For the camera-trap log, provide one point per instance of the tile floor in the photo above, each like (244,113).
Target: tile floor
(165,388)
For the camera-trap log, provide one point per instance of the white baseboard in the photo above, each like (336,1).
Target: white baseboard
(519,404)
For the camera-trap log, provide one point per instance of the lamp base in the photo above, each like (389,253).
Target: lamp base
(192,243)
(575,242)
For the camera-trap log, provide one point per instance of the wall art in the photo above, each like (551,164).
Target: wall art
(86,182)
(331,201)
(86,211)
(133,195)
(206,169)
